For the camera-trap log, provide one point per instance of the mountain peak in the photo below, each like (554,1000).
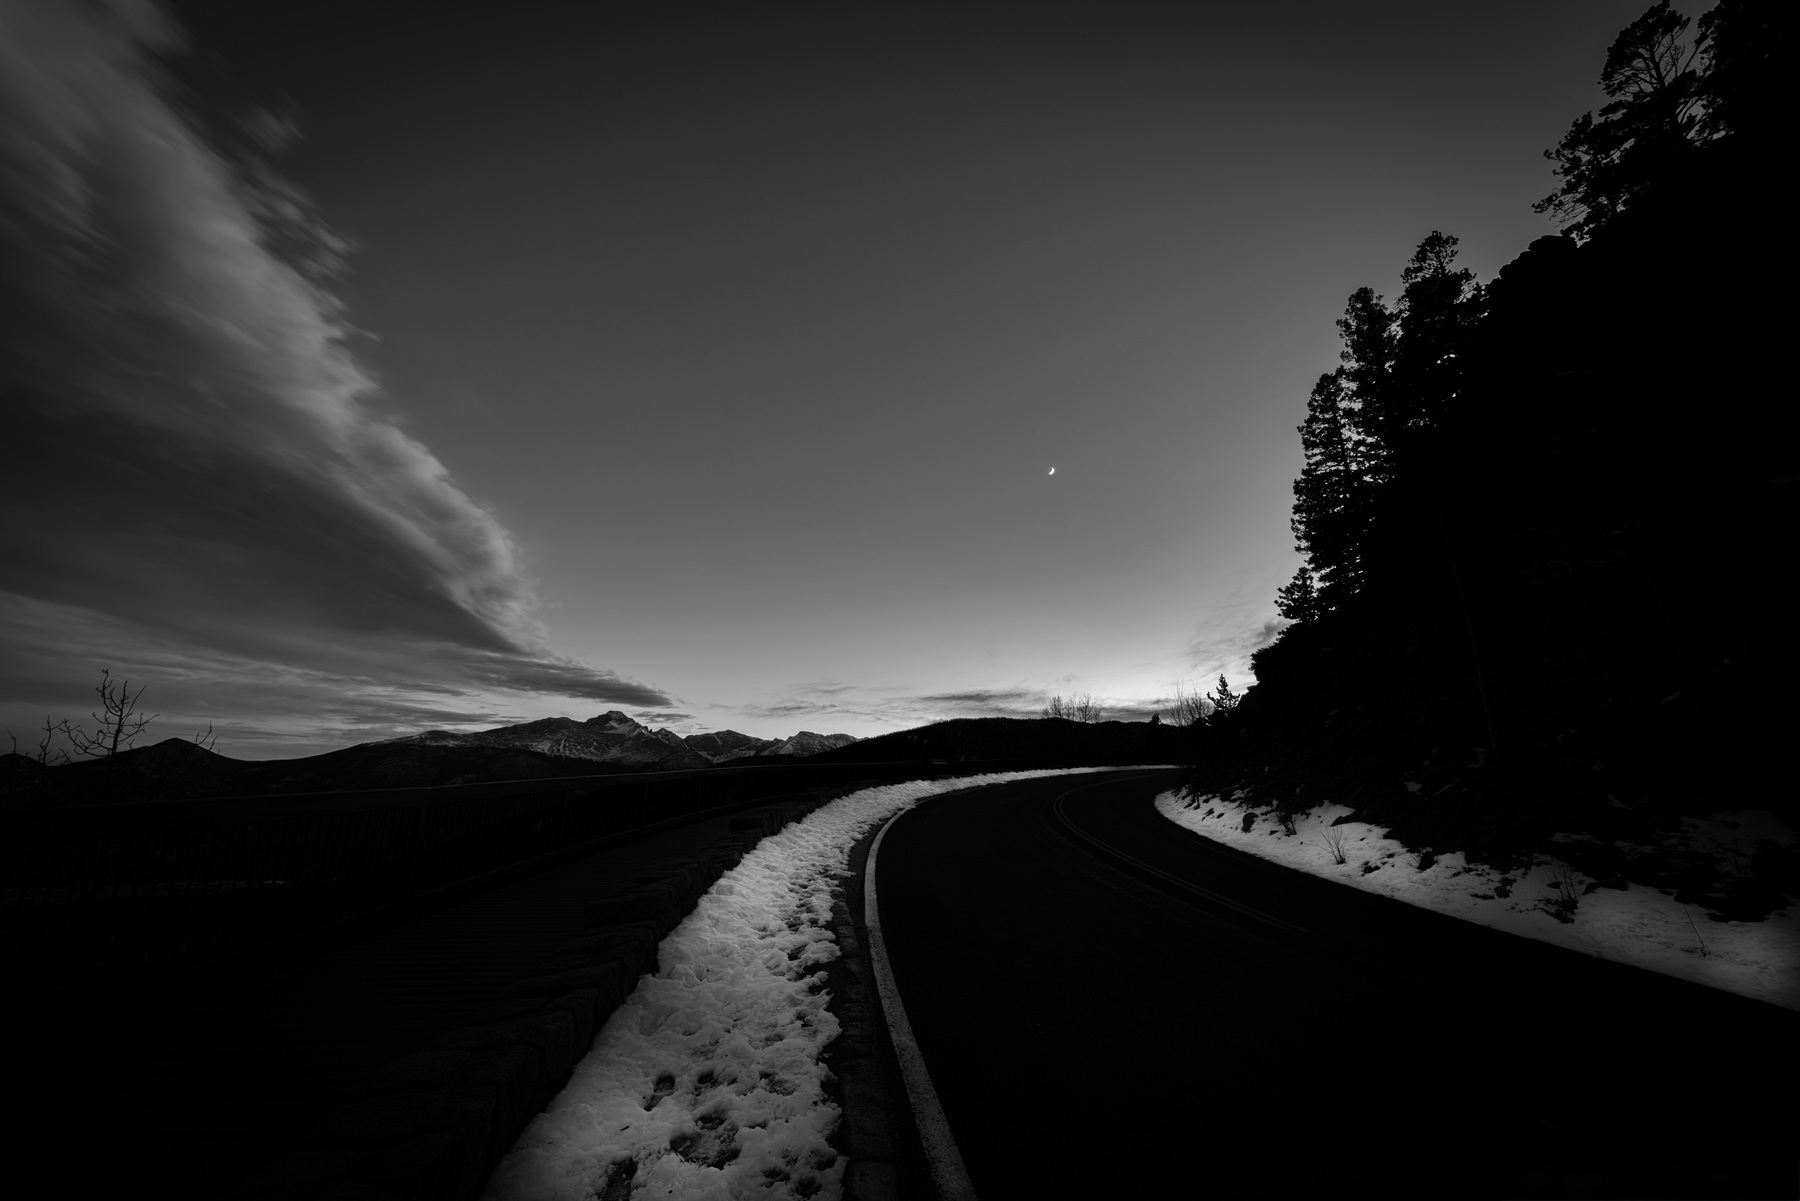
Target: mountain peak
(616,737)
(615,722)
(808,743)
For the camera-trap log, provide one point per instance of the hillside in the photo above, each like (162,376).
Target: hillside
(981,739)
(176,768)
(1559,635)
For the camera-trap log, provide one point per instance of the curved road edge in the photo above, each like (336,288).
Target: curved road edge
(948,1174)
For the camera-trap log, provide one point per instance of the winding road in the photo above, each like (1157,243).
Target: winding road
(1112,1006)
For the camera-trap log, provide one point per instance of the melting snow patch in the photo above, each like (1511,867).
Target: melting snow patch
(706,1084)
(1636,925)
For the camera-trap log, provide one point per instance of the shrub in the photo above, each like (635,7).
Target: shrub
(1190,709)
(1565,892)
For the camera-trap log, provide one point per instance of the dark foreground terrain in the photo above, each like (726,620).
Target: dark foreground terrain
(176,769)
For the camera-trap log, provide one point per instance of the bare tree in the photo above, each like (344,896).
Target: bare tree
(42,755)
(1074,708)
(118,724)
(1190,709)
(38,783)
(121,724)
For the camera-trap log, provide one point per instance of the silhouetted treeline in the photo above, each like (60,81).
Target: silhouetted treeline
(1545,519)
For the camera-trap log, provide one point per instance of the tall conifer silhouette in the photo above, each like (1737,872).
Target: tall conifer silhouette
(1332,494)
(1439,309)
(1402,369)
(1647,133)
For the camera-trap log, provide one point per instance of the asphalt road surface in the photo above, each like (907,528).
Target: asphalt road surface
(1112,1006)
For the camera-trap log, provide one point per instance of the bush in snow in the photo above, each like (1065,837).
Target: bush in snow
(1565,892)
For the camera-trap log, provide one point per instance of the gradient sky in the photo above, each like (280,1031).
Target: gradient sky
(710,366)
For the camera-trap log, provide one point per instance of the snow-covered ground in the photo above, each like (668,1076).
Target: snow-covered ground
(707,1083)
(1637,925)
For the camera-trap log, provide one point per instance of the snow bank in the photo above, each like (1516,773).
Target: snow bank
(707,1082)
(1636,925)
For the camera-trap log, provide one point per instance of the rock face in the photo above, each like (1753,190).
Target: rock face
(727,744)
(612,737)
(808,743)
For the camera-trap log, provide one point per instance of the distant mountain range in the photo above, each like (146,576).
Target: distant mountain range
(611,743)
(556,746)
(613,737)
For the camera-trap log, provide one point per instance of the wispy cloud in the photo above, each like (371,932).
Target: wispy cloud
(668,717)
(985,702)
(817,705)
(1230,634)
(1140,710)
(257,707)
(193,449)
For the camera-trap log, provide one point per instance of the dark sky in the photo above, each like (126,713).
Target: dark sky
(709,366)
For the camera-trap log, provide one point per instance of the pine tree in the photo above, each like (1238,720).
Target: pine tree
(1347,461)
(1224,700)
(1439,309)
(1747,49)
(1330,497)
(1298,600)
(1370,339)
(1402,369)
(1648,132)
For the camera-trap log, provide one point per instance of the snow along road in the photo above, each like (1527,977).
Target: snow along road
(707,1083)
(1111,1005)
(1114,1006)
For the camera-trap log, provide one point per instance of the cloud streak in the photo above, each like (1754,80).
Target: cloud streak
(818,704)
(197,450)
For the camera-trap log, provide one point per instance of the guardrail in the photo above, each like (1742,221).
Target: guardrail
(105,895)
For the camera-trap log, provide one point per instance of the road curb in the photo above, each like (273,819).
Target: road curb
(950,1178)
(875,1133)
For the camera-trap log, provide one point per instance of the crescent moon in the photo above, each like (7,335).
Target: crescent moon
(1053,471)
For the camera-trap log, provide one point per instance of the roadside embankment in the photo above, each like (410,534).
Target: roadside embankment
(431,1125)
(723,1074)
(1625,913)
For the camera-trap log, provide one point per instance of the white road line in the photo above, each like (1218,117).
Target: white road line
(948,1174)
